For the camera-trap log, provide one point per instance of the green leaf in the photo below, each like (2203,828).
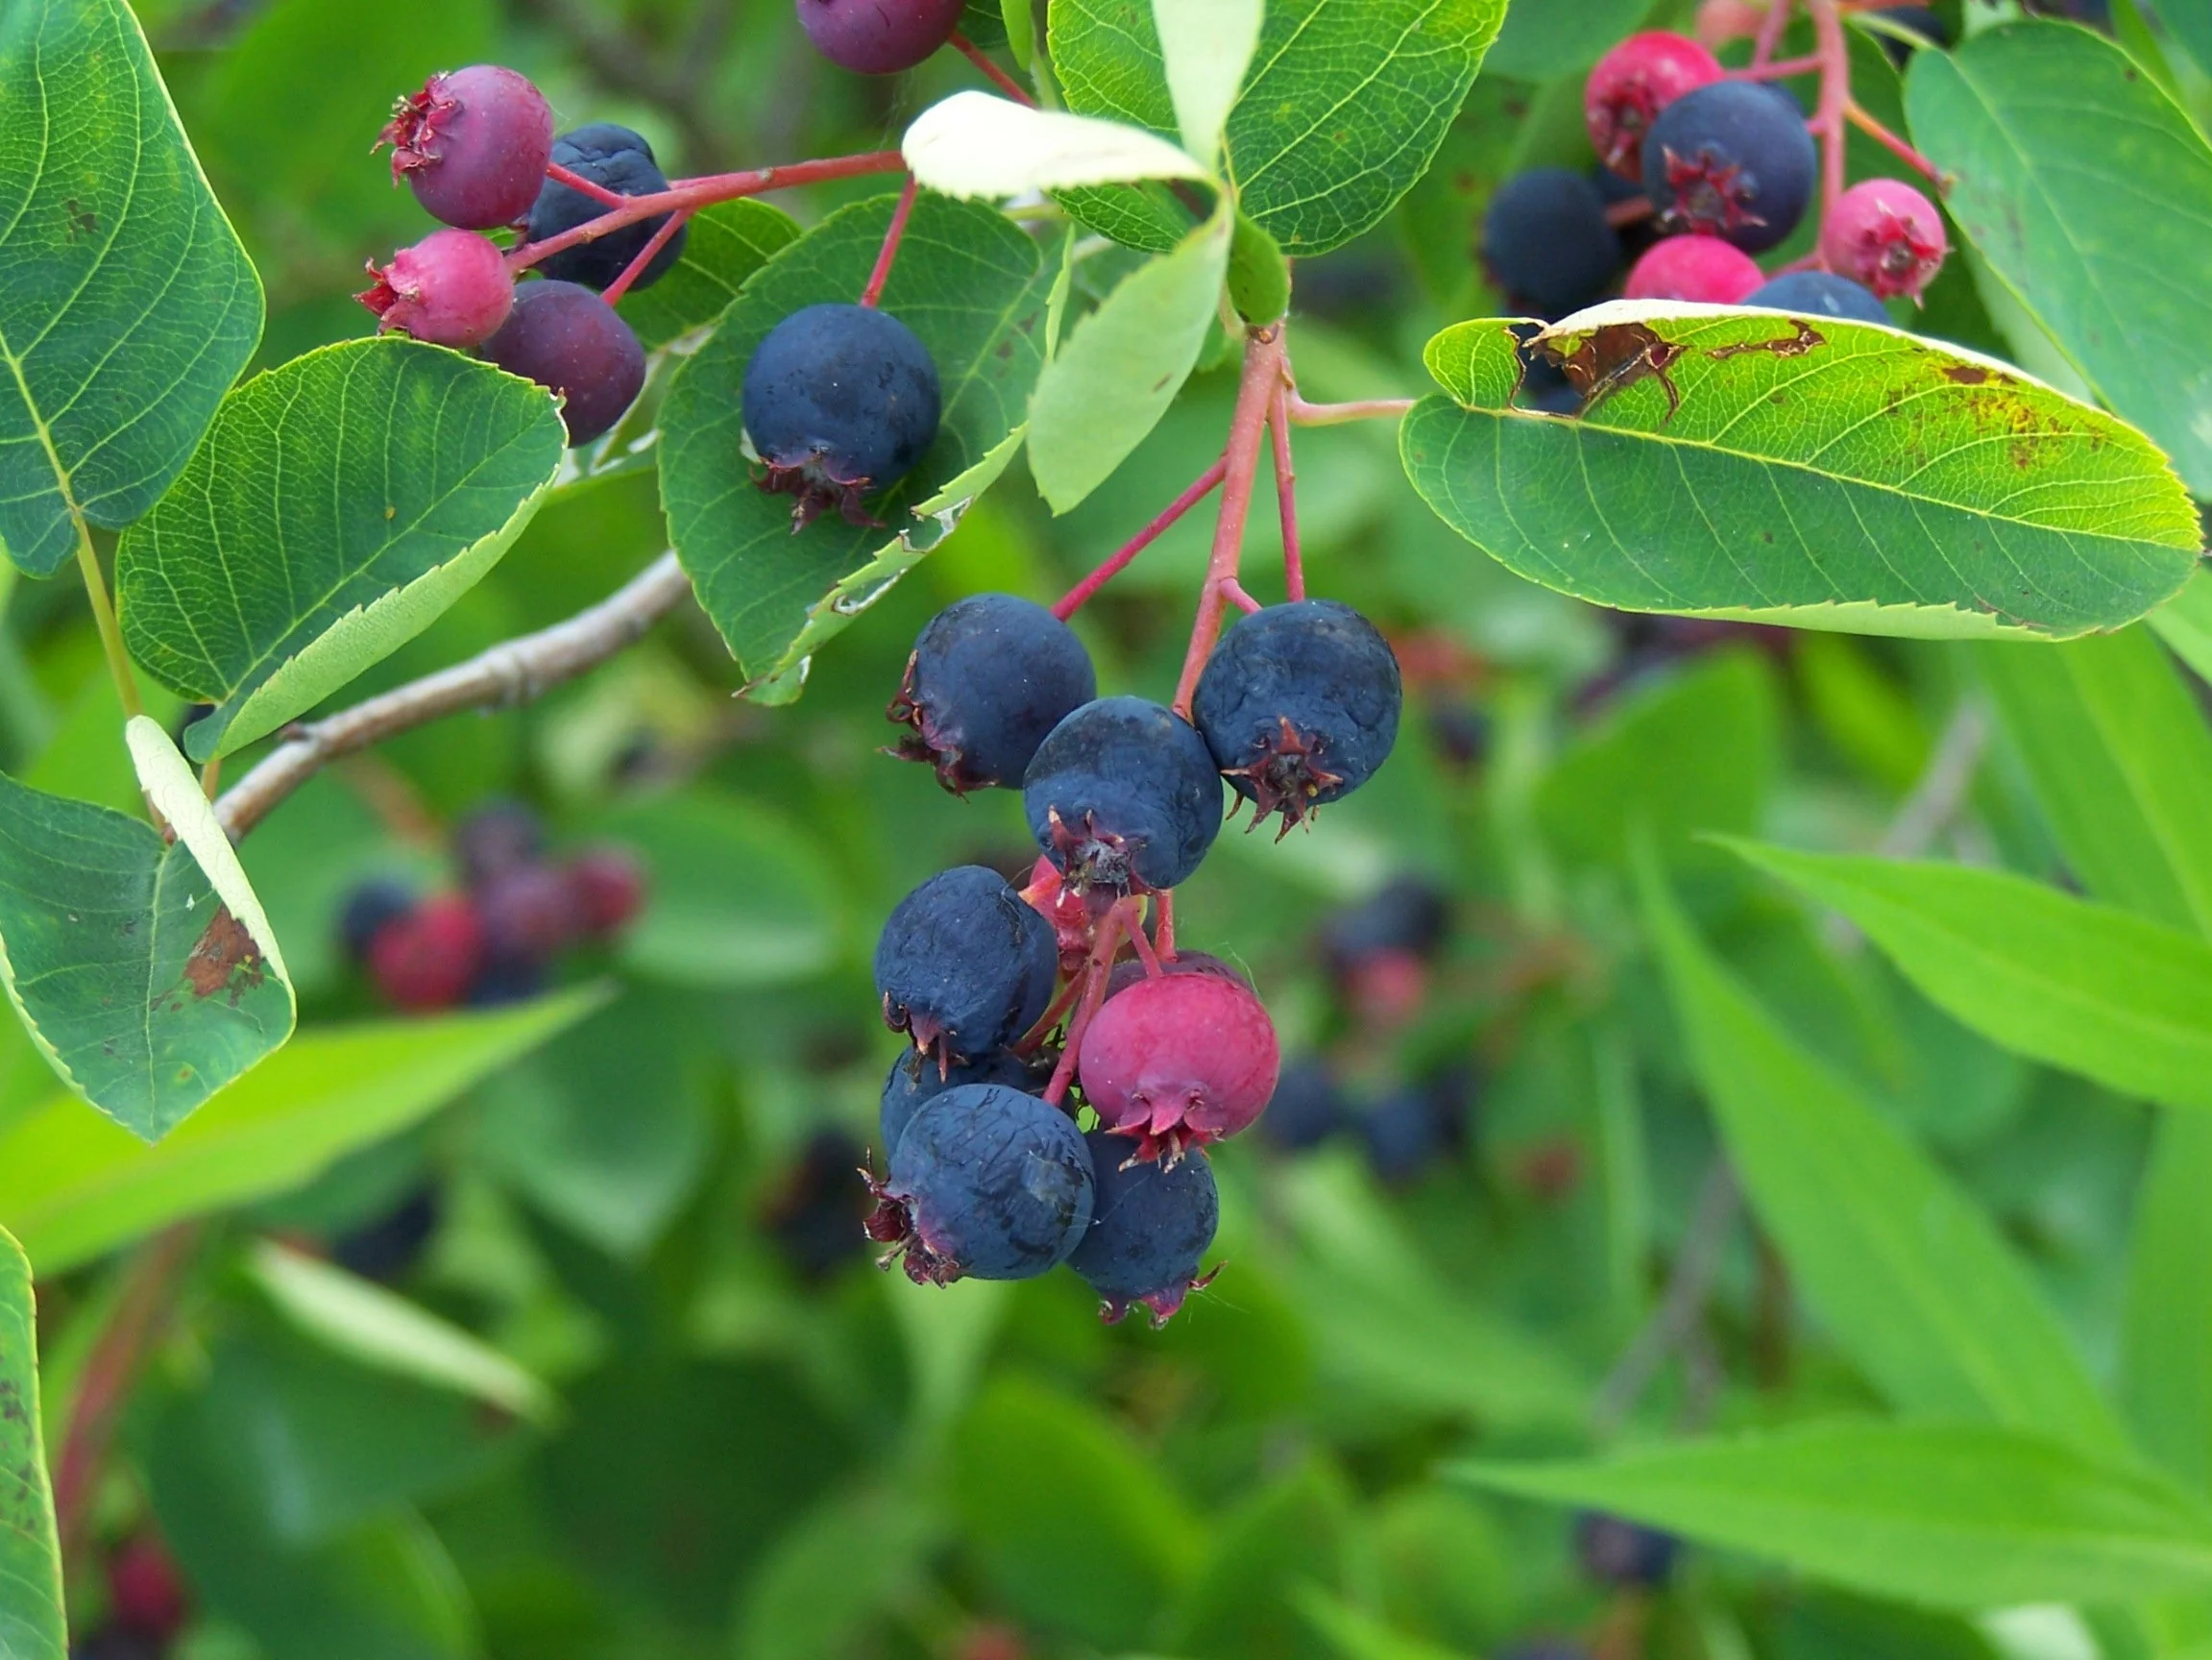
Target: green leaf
(1288,1535)
(972,286)
(1360,1636)
(1258,275)
(1206,47)
(338,504)
(2165,1335)
(1844,476)
(1542,41)
(128,306)
(32,1625)
(2121,763)
(2086,987)
(1906,1272)
(2185,623)
(725,245)
(1122,366)
(2192,26)
(72,1187)
(144,969)
(1949,1516)
(815,1595)
(2107,244)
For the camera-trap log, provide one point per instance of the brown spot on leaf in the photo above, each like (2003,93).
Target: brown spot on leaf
(82,221)
(225,955)
(1966,375)
(1796,345)
(1618,356)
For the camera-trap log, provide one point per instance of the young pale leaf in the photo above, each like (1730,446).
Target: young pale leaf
(72,1187)
(725,245)
(144,969)
(973,288)
(1206,47)
(1815,472)
(339,504)
(1122,365)
(1906,1271)
(2094,990)
(1950,1516)
(2166,1335)
(127,306)
(31,1622)
(974,144)
(2109,243)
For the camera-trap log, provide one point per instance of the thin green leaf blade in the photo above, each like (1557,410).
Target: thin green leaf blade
(1206,46)
(339,504)
(2107,244)
(1951,1516)
(31,1622)
(726,243)
(1842,476)
(2166,1330)
(128,306)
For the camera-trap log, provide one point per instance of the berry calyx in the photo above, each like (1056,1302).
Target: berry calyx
(1699,268)
(1123,796)
(1632,84)
(1819,294)
(1884,235)
(617,159)
(841,401)
(472,145)
(1150,1227)
(1547,242)
(963,966)
(1066,908)
(987,680)
(871,39)
(430,958)
(1178,1060)
(452,288)
(573,343)
(1732,159)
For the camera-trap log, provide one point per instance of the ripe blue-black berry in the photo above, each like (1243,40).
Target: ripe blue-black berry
(472,145)
(1405,914)
(1414,1126)
(1618,1551)
(385,1247)
(988,677)
(872,38)
(987,1183)
(571,342)
(1546,241)
(815,1213)
(913,1082)
(965,966)
(1150,1226)
(1819,294)
(617,159)
(1731,159)
(1300,706)
(841,401)
(1123,795)
(368,909)
(1307,1108)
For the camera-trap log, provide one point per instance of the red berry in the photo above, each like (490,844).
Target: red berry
(452,288)
(609,889)
(146,1590)
(429,958)
(1632,84)
(1702,268)
(473,144)
(870,38)
(1884,234)
(1179,1061)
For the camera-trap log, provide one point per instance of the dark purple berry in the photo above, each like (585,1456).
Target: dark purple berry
(965,966)
(608,886)
(1731,159)
(1406,913)
(570,342)
(879,37)
(1411,1128)
(913,1082)
(472,145)
(1300,706)
(1151,1224)
(987,1183)
(368,909)
(529,914)
(385,1247)
(841,401)
(1123,795)
(1820,294)
(614,158)
(1307,1108)
(988,677)
(452,288)
(500,836)
(1618,1551)
(1547,243)
(816,1212)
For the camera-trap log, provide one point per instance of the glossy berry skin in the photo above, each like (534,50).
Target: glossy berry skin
(872,38)
(1886,237)
(1123,795)
(570,342)
(987,680)
(429,958)
(1632,84)
(1307,1108)
(1299,705)
(368,909)
(1618,1551)
(841,401)
(452,288)
(1731,161)
(1151,1224)
(1547,244)
(1699,268)
(912,1083)
(987,1183)
(472,145)
(1178,1060)
(964,965)
(1819,294)
(617,159)
(607,886)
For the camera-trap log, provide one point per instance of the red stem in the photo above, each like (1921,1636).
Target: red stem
(1771,32)
(1781,70)
(583,186)
(892,237)
(1163,921)
(1889,140)
(1286,493)
(1105,946)
(620,285)
(1633,211)
(1835,53)
(1145,953)
(1234,593)
(1261,385)
(1074,598)
(982,59)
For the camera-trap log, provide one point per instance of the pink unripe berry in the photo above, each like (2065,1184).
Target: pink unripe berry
(430,958)
(1178,1060)
(1883,233)
(474,145)
(1700,268)
(1632,84)
(452,288)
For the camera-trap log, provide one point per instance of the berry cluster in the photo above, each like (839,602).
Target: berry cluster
(1014,997)
(496,939)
